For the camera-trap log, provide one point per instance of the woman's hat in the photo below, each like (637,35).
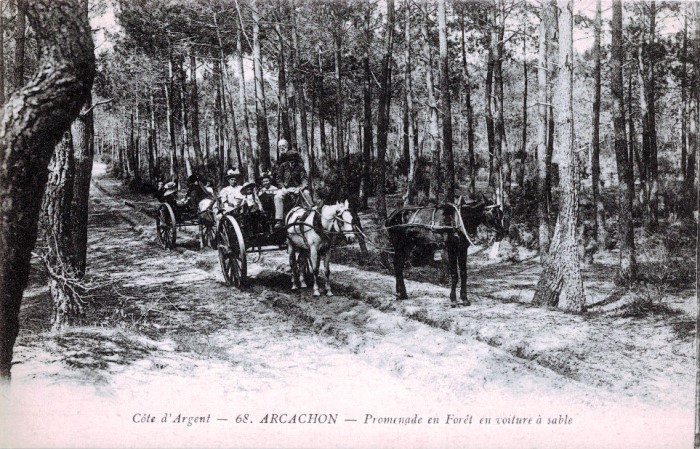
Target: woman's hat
(248,185)
(232,173)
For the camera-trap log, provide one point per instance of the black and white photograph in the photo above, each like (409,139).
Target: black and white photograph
(349,223)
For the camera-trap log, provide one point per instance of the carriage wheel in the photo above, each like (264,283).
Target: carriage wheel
(165,226)
(232,252)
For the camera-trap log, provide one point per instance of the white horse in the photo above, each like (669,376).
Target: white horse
(311,235)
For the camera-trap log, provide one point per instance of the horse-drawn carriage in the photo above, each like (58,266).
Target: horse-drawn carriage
(196,210)
(308,234)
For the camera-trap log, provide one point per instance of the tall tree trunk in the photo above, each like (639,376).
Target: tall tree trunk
(152,143)
(218,113)
(366,185)
(626,181)
(446,103)
(653,152)
(470,114)
(262,134)
(542,129)
(501,159)
(684,96)
(2,53)
(194,109)
(282,90)
(383,112)
(337,40)
(600,231)
(488,97)
(307,149)
(252,155)
(412,149)
(432,133)
(523,149)
(84,147)
(185,148)
(169,102)
(321,120)
(34,120)
(644,169)
(561,284)
(20,39)
(57,251)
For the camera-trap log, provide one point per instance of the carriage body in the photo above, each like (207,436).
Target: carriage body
(244,232)
(174,215)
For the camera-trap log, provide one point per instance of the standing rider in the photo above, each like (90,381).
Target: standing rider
(292,178)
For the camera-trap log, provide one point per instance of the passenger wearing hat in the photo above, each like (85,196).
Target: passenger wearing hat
(292,178)
(249,198)
(231,194)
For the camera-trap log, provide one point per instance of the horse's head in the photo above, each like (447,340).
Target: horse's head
(484,212)
(339,220)
(495,219)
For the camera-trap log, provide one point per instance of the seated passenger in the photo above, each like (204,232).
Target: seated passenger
(229,195)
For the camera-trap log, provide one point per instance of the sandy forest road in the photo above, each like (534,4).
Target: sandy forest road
(173,336)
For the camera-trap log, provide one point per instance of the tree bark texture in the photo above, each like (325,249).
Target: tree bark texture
(383,111)
(624,171)
(412,149)
(20,40)
(84,146)
(366,190)
(57,250)
(561,284)
(542,128)
(194,109)
(446,106)
(431,135)
(34,120)
(600,231)
(261,130)
(470,114)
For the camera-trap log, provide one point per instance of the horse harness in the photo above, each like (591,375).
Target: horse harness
(433,226)
(316,225)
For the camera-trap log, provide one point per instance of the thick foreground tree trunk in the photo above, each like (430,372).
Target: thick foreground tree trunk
(57,249)
(561,283)
(34,119)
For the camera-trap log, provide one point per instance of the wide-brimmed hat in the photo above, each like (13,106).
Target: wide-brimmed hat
(232,173)
(247,185)
(169,188)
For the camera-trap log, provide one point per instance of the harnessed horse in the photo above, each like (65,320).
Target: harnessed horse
(448,225)
(311,235)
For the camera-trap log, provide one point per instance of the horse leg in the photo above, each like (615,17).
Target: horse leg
(293,266)
(327,265)
(400,253)
(462,260)
(302,278)
(452,264)
(201,235)
(315,262)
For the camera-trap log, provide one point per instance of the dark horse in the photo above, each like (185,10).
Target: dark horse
(450,225)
